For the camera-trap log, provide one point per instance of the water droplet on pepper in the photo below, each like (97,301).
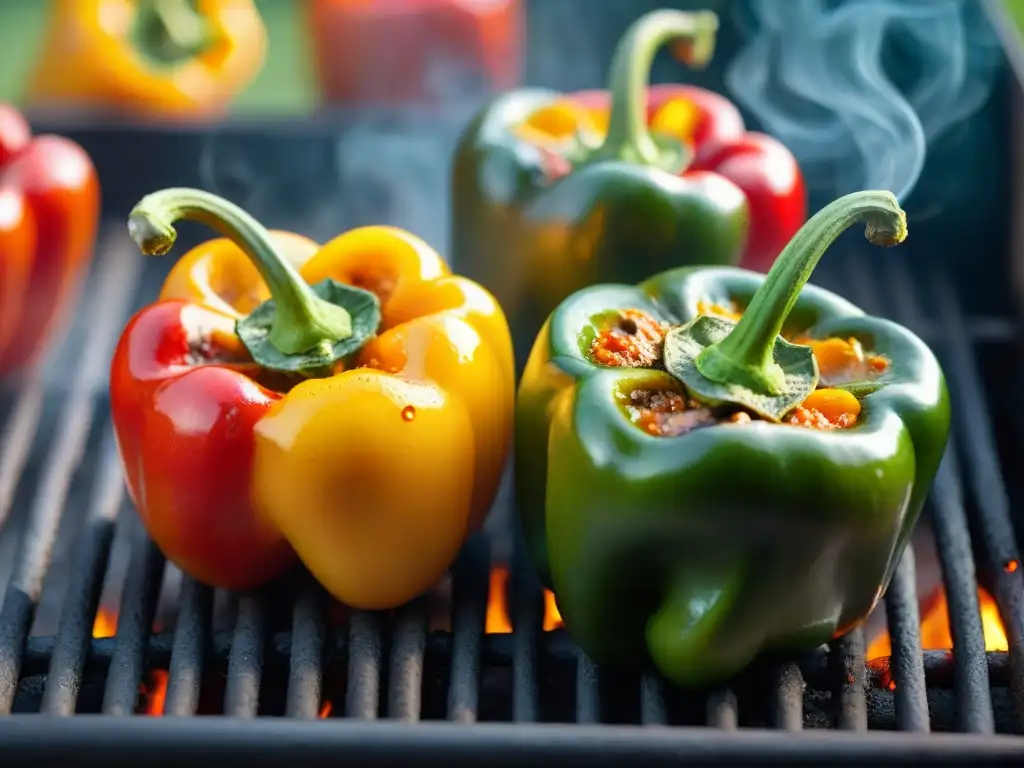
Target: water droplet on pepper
(408,413)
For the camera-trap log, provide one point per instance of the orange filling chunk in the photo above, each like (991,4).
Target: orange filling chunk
(827,409)
(559,121)
(634,341)
(842,361)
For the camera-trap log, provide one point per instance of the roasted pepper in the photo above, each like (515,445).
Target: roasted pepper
(700,490)
(154,58)
(49,211)
(414,51)
(552,192)
(351,402)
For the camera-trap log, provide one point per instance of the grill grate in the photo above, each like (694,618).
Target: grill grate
(389,663)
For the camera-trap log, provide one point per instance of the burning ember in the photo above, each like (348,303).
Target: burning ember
(153,689)
(935,632)
(105,624)
(498,621)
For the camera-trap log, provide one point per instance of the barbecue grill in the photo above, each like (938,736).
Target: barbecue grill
(293,677)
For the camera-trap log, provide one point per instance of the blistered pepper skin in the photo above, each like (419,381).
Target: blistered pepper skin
(705,550)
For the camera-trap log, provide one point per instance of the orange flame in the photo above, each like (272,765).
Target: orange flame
(153,689)
(105,624)
(935,632)
(498,620)
(153,695)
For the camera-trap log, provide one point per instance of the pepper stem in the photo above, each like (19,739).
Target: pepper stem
(628,138)
(170,30)
(301,320)
(746,355)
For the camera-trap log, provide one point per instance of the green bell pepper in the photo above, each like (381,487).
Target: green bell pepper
(541,211)
(705,544)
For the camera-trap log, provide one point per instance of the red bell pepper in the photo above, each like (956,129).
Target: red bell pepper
(49,212)
(198,429)
(400,51)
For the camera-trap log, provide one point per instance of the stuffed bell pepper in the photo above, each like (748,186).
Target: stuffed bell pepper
(350,403)
(49,212)
(155,58)
(554,192)
(716,463)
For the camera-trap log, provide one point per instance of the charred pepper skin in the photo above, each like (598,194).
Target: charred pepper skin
(534,221)
(705,550)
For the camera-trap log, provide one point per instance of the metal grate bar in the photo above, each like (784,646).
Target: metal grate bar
(952,534)
(907,662)
(78,614)
(134,627)
(723,710)
(307,654)
(405,678)
(469,614)
(901,598)
(245,667)
(1003,556)
(588,690)
(188,654)
(652,700)
(528,622)
(971,675)
(362,700)
(19,434)
(117,276)
(218,741)
(789,698)
(20,429)
(846,661)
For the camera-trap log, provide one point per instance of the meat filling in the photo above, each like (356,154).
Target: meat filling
(665,413)
(634,340)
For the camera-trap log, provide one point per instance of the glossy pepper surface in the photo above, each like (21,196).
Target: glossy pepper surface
(156,58)
(414,51)
(554,192)
(351,403)
(700,490)
(49,210)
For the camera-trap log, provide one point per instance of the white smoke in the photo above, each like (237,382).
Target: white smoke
(813,75)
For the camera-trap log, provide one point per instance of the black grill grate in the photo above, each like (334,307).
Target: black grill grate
(394,666)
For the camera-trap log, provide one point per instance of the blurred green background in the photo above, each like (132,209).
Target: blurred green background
(285,86)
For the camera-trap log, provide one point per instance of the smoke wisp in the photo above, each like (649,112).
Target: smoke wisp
(861,90)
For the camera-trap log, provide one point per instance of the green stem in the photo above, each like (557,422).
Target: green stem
(745,356)
(170,30)
(302,321)
(628,138)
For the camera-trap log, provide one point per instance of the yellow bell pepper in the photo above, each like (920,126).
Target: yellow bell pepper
(157,58)
(362,416)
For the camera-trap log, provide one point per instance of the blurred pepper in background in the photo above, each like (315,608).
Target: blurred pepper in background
(49,210)
(553,192)
(158,58)
(419,51)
